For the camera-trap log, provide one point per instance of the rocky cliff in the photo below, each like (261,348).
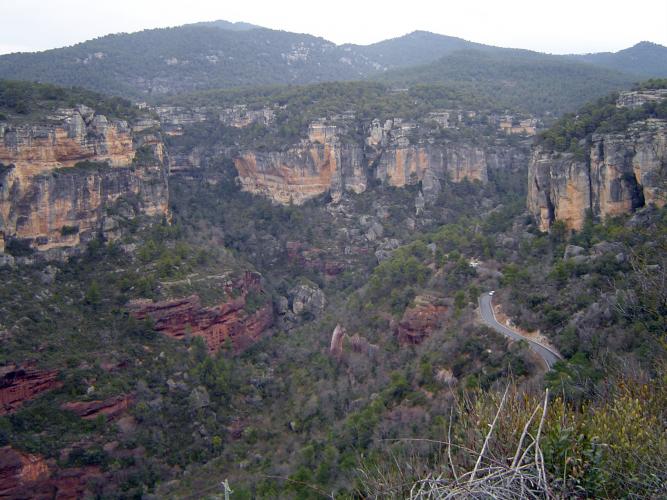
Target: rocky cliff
(322,163)
(420,320)
(619,173)
(25,475)
(234,320)
(613,173)
(392,154)
(23,383)
(58,177)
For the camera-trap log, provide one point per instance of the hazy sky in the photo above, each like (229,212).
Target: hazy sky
(557,26)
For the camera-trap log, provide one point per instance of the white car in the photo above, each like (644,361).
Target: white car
(492,292)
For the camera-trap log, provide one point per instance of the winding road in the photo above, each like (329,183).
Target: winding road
(549,356)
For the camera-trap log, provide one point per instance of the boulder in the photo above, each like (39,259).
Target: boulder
(572,251)
(307,298)
(199,398)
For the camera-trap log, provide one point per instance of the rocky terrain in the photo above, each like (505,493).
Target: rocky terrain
(229,323)
(281,289)
(616,173)
(22,383)
(332,159)
(61,176)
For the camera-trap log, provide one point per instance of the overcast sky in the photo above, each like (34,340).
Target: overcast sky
(557,26)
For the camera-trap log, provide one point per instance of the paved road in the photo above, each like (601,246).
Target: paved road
(489,318)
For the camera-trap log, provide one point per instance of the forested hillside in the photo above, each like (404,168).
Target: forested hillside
(518,79)
(219,54)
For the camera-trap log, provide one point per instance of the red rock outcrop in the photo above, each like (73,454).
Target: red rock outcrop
(27,476)
(420,321)
(229,320)
(22,383)
(110,408)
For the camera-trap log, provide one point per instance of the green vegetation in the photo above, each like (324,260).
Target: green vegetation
(187,58)
(23,101)
(517,79)
(69,230)
(286,417)
(178,60)
(83,167)
(603,116)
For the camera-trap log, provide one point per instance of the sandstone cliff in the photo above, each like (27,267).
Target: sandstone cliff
(110,408)
(619,173)
(59,177)
(23,383)
(229,321)
(394,155)
(24,475)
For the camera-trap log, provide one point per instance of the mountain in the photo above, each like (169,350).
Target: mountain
(520,79)
(188,58)
(418,47)
(220,54)
(645,58)
(226,25)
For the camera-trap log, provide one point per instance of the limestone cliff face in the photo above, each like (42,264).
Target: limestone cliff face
(620,173)
(326,162)
(318,165)
(50,199)
(401,165)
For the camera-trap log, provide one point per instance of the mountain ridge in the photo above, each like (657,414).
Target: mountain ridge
(221,54)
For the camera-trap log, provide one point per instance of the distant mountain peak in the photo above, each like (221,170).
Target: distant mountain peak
(645,58)
(227,25)
(646,43)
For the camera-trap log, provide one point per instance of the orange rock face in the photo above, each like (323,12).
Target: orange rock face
(329,162)
(18,469)
(621,173)
(19,384)
(420,321)
(228,321)
(293,177)
(47,202)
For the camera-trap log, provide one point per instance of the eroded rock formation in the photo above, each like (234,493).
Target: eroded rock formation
(330,162)
(58,177)
(419,321)
(24,475)
(110,408)
(22,383)
(230,321)
(337,337)
(619,173)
